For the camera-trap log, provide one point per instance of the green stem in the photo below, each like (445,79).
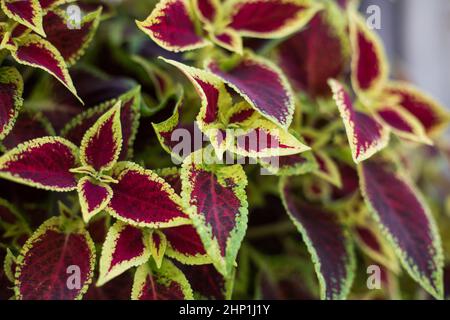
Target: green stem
(269,46)
(271,230)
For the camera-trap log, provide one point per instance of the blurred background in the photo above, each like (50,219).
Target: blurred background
(416,34)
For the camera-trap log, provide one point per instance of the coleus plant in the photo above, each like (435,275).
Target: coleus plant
(310,103)
(39,35)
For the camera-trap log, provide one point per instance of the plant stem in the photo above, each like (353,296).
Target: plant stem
(271,230)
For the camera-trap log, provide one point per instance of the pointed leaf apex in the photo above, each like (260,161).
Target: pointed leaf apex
(102,143)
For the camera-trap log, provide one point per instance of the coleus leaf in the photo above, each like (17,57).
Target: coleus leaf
(184,244)
(118,288)
(100,147)
(365,134)
(11,89)
(374,246)
(158,245)
(349,182)
(327,240)
(165,130)
(164,283)
(262,85)
(253,136)
(270,18)
(211,90)
(59,254)
(50,4)
(261,138)
(215,100)
(228,39)
(172,176)
(12,33)
(171,131)
(18,30)
(240,113)
(432,115)
(208,10)
(403,124)
(171,26)
(207,282)
(141,198)
(75,129)
(125,247)
(370,69)
(327,168)
(36,52)
(98,228)
(28,126)
(94,196)
(42,163)
(26,12)
(218,207)
(406,222)
(319,52)
(71,43)
(295,164)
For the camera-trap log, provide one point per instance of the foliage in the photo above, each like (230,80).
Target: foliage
(294,126)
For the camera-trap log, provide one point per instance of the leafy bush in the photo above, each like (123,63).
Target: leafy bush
(182,155)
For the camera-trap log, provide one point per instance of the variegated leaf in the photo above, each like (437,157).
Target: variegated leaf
(210,88)
(94,196)
(101,144)
(228,39)
(403,124)
(430,113)
(158,245)
(270,18)
(296,164)
(365,134)
(208,10)
(218,207)
(70,42)
(141,198)
(172,27)
(75,129)
(406,221)
(11,89)
(26,12)
(319,52)
(184,244)
(262,85)
(207,282)
(36,52)
(57,252)
(370,69)
(327,240)
(43,163)
(164,283)
(125,247)
(28,126)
